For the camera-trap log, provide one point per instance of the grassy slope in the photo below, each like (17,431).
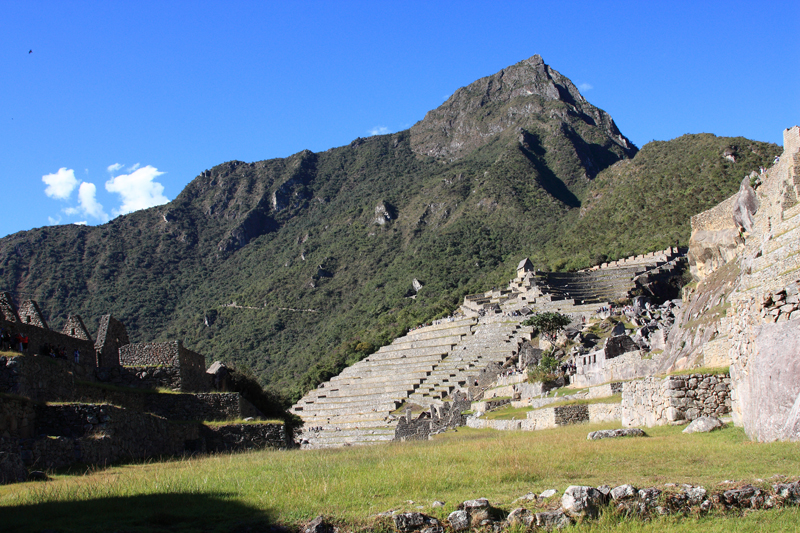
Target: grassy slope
(351,485)
(646,203)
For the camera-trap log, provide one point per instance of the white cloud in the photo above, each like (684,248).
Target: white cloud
(585,87)
(88,203)
(61,184)
(379,130)
(54,221)
(134,167)
(113,168)
(81,223)
(137,189)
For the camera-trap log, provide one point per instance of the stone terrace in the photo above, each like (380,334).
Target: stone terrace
(425,366)
(428,365)
(573,292)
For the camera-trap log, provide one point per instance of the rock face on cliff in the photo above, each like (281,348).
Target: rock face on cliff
(745,253)
(534,102)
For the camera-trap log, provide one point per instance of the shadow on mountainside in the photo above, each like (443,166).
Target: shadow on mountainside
(206,512)
(533,150)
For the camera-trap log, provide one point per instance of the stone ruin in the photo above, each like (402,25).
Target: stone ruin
(105,407)
(436,366)
(744,312)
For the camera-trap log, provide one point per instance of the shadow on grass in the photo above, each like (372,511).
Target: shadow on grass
(206,512)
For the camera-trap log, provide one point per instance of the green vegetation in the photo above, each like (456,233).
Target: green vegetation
(702,370)
(351,485)
(614,398)
(507,412)
(548,324)
(545,371)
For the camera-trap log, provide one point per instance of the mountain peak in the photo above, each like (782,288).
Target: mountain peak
(515,97)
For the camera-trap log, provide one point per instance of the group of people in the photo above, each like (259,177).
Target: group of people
(59,352)
(19,343)
(568,367)
(13,341)
(606,309)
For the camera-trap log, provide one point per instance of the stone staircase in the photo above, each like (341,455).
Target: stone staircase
(424,367)
(494,340)
(356,406)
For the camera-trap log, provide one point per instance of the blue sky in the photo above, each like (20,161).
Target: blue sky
(120,104)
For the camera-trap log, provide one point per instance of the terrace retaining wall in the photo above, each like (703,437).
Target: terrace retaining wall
(659,401)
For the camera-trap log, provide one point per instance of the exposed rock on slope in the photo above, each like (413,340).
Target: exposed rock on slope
(516,96)
(746,306)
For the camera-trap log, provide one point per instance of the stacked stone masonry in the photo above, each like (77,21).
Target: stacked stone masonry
(675,399)
(168,354)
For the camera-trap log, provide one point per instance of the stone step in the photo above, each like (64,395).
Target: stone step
(371,370)
(348,432)
(783,249)
(332,441)
(446,325)
(404,344)
(365,396)
(424,335)
(781,238)
(399,358)
(390,355)
(355,409)
(366,420)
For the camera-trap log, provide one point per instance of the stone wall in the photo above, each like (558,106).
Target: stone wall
(240,437)
(715,239)
(656,401)
(551,417)
(42,378)
(101,434)
(604,412)
(192,365)
(760,328)
(599,370)
(17,417)
(437,420)
(111,336)
(184,406)
(566,415)
(40,339)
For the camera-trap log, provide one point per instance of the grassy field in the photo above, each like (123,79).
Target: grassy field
(252,491)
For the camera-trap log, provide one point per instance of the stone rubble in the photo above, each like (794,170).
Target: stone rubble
(614,433)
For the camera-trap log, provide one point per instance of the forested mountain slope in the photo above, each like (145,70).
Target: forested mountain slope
(298,266)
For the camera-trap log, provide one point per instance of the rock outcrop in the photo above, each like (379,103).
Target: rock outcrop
(745,252)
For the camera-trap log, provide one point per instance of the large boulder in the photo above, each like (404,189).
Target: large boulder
(768,385)
(581,501)
(704,424)
(618,345)
(406,522)
(745,206)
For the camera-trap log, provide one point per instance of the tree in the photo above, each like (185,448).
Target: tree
(548,324)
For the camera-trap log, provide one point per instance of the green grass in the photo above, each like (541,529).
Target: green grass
(507,413)
(702,370)
(351,485)
(614,398)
